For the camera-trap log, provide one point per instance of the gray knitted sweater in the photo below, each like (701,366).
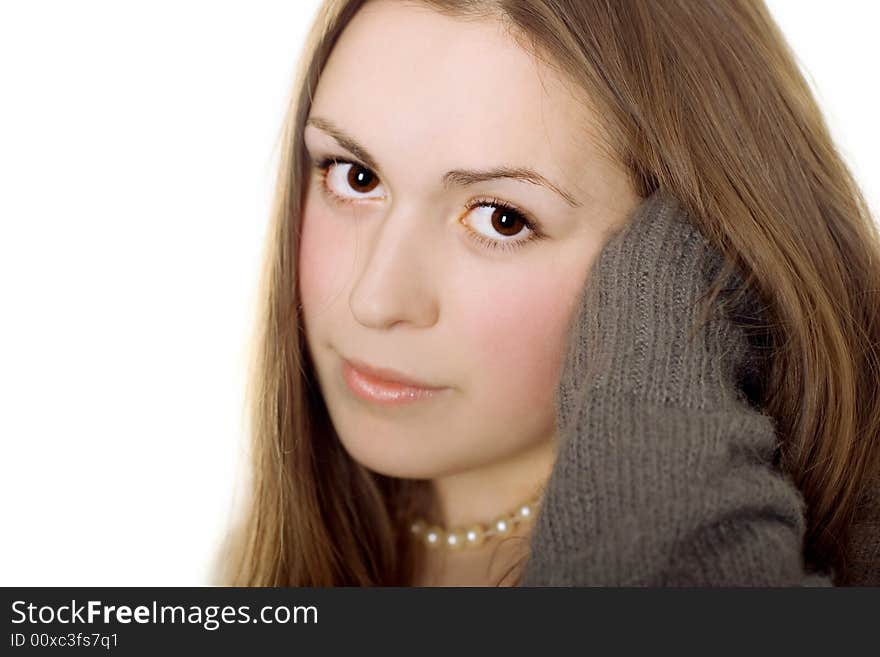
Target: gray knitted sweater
(664,475)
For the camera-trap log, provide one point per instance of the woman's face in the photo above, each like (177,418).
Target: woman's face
(396,271)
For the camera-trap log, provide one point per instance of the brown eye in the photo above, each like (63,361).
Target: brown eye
(506,222)
(496,224)
(347,181)
(360,179)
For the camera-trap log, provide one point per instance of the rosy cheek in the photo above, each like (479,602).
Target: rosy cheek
(520,334)
(322,257)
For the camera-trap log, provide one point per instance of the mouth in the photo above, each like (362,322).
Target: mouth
(385,386)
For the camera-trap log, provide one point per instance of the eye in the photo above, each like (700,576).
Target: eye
(504,220)
(493,217)
(338,176)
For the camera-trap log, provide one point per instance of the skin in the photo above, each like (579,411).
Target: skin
(395,277)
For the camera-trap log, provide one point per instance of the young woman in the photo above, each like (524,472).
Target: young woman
(561,293)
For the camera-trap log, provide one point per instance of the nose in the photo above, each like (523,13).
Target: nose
(395,257)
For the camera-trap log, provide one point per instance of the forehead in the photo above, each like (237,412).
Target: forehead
(407,78)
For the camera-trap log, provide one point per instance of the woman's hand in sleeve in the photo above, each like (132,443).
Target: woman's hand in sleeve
(665,474)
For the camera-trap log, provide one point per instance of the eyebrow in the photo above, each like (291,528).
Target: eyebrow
(453,178)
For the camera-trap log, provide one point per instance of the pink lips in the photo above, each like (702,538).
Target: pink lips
(384,386)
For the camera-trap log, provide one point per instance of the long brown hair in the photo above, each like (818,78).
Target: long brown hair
(703,99)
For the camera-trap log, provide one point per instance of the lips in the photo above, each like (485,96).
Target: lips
(384,386)
(384,375)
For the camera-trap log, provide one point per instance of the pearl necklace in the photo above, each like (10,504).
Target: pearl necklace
(475,535)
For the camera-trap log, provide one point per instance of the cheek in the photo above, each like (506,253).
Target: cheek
(321,258)
(518,340)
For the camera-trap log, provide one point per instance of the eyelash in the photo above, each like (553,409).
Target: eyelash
(323,166)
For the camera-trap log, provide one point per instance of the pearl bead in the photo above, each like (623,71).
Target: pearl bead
(455,540)
(475,535)
(502,526)
(434,536)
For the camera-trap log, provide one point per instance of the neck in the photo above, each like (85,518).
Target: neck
(482,494)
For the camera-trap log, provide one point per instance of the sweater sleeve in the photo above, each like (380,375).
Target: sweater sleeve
(863,548)
(665,472)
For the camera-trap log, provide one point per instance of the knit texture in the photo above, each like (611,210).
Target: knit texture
(664,475)
(864,541)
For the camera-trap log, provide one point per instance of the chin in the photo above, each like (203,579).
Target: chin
(389,462)
(392,454)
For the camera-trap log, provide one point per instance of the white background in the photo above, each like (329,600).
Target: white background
(138,143)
